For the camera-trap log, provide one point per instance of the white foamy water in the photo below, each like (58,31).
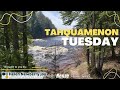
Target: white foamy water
(43,51)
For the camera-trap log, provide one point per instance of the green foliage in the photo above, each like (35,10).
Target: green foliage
(38,23)
(13,55)
(97,20)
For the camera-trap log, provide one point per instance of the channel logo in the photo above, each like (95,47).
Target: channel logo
(23,75)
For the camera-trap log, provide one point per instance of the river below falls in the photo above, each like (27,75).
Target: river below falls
(43,52)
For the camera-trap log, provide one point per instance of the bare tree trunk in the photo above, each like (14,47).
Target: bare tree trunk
(7,43)
(88,52)
(100,60)
(88,61)
(15,39)
(99,67)
(6,34)
(93,63)
(25,53)
(113,52)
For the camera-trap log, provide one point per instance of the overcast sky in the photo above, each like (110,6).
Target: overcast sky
(55,17)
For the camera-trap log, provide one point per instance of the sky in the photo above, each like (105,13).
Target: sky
(55,17)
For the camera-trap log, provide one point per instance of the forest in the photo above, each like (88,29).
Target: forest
(17,28)
(38,23)
(97,56)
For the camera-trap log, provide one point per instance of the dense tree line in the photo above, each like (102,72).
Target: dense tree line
(96,55)
(38,24)
(14,40)
(15,37)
